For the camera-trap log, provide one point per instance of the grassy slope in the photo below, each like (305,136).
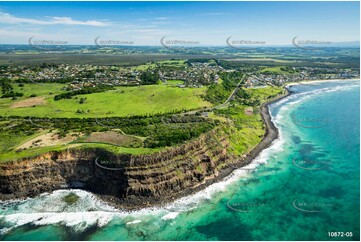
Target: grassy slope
(121,102)
(276,70)
(13,155)
(174,82)
(171,63)
(244,136)
(249,129)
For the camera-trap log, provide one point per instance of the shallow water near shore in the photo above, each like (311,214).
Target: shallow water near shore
(302,187)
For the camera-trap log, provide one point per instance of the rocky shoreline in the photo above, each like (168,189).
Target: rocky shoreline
(146,181)
(271,134)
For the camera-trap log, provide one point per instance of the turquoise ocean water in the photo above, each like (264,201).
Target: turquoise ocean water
(301,188)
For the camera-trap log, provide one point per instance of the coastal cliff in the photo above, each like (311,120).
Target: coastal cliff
(132,181)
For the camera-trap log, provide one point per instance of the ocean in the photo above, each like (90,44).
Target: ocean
(305,186)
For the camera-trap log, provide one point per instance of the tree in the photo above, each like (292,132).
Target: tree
(6,86)
(82,100)
(149,77)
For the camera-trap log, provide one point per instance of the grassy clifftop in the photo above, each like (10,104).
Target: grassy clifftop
(38,101)
(143,132)
(189,151)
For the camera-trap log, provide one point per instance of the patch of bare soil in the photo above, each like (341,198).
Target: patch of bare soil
(48,139)
(115,138)
(33,101)
(248,111)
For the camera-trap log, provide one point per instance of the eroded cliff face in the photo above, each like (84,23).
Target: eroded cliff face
(125,179)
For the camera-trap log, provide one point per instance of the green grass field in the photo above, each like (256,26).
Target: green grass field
(173,63)
(247,129)
(263,94)
(124,101)
(245,132)
(166,63)
(174,82)
(278,70)
(13,155)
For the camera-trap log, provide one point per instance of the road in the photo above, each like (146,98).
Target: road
(221,105)
(230,96)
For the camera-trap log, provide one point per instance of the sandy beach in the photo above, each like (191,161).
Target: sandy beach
(321,81)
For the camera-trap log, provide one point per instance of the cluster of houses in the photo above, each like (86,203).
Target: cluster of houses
(90,75)
(305,73)
(190,77)
(77,75)
(56,72)
(194,75)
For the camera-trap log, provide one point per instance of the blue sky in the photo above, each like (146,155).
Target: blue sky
(209,23)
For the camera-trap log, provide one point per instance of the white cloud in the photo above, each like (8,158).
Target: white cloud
(69,21)
(8,33)
(160,22)
(211,14)
(161,18)
(10,19)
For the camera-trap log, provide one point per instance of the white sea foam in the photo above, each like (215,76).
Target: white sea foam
(170,216)
(310,94)
(134,222)
(49,208)
(192,201)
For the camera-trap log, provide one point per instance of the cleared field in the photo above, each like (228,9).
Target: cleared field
(43,93)
(113,138)
(175,82)
(249,128)
(276,70)
(263,94)
(173,63)
(144,67)
(166,63)
(123,101)
(262,59)
(46,139)
(29,102)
